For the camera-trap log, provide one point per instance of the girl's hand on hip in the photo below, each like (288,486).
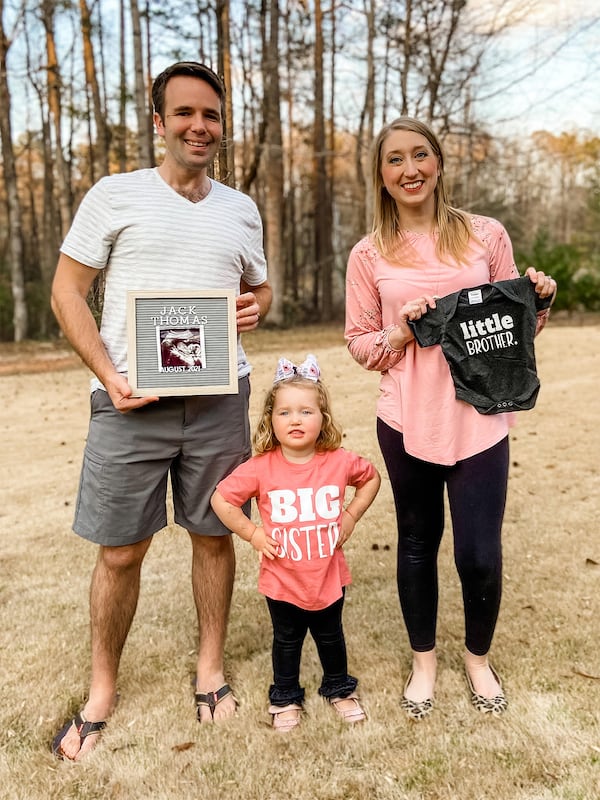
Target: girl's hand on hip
(346,530)
(264,544)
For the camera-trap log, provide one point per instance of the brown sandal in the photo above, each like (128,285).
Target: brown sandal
(285,724)
(83,728)
(212,699)
(354,714)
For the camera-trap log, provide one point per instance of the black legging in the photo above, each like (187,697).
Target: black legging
(290,626)
(477,497)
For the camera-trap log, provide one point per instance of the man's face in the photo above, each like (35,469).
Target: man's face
(192,126)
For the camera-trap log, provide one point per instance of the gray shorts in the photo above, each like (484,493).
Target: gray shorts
(127,458)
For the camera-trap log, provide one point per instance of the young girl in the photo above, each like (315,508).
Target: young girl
(299,476)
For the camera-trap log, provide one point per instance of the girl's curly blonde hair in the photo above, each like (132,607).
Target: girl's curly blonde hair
(330,437)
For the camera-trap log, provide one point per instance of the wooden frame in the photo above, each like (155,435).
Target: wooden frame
(182,342)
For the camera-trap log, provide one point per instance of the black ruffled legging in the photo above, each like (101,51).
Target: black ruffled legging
(290,626)
(477,497)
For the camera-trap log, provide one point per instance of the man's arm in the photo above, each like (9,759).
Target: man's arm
(252,305)
(70,287)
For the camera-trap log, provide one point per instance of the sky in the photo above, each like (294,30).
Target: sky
(543,74)
(557,49)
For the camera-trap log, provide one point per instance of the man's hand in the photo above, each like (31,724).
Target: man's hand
(119,392)
(252,305)
(247,312)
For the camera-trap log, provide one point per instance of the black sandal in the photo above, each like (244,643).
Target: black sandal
(212,699)
(83,728)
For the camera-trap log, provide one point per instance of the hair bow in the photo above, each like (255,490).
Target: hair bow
(308,369)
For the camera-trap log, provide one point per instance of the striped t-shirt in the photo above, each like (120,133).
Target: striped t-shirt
(150,238)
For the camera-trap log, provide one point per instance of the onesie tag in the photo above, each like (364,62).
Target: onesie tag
(475,297)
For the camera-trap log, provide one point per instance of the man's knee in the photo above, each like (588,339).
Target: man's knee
(126,557)
(212,545)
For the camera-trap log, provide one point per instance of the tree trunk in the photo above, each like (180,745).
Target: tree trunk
(227,151)
(15,240)
(293,275)
(440,25)
(43,211)
(144,141)
(149,109)
(365,130)
(122,127)
(91,79)
(253,132)
(65,199)
(323,252)
(406,56)
(272,164)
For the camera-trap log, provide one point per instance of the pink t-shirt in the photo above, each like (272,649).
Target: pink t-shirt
(301,508)
(417,395)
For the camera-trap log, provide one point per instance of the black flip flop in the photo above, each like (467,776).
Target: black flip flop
(83,728)
(212,699)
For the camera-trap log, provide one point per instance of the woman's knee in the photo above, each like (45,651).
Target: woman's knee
(482,570)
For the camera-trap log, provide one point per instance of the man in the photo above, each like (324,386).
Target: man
(169,228)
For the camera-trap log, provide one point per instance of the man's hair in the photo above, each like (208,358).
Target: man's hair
(191,68)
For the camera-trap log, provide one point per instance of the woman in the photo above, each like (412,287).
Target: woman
(421,249)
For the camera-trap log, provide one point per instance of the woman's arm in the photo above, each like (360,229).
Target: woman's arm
(372,345)
(503,267)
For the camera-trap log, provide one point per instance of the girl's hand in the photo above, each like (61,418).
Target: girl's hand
(348,525)
(545,285)
(263,544)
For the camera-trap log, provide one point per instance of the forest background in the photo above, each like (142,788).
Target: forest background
(308,86)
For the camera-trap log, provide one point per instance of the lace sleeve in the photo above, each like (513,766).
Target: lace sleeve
(495,238)
(367,338)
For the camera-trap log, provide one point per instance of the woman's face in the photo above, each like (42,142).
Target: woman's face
(410,171)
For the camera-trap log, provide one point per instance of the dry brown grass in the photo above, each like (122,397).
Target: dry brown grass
(546,647)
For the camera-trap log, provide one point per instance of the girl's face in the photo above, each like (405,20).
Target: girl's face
(409,170)
(297,420)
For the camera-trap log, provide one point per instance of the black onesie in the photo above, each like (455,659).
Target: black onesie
(486,334)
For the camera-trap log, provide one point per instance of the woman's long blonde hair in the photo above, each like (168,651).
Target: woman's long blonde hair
(453,224)
(330,437)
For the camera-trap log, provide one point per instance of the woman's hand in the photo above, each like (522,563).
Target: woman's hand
(400,336)
(545,285)
(415,309)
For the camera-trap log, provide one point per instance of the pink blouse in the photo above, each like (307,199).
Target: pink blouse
(417,395)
